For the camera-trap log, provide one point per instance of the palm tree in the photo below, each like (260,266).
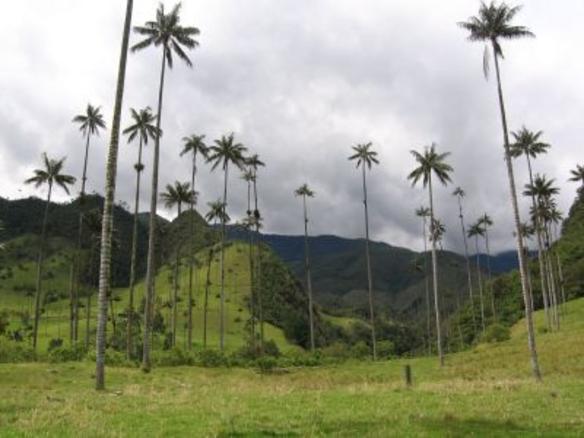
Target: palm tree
(225,151)
(105,258)
(254,162)
(306,192)
(216,212)
(177,195)
(194,145)
(165,31)
(143,128)
(459,193)
(366,157)
(485,222)
(249,224)
(477,231)
(89,124)
(50,175)
(437,230)
(528,143)
(424,212)
(578,176)
(430,162)
(492,25)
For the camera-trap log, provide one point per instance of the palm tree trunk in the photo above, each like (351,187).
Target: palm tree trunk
(222,264)
(39,284)
(490,276)
(206,304)
(87,321)
(258,264)
(435,279)
(551,280)
(175,288)
(466,257)
(368,260)
(308,277)
(427,281)
(192,257)
(480,282)
(540,255)
(520,253)
(251,273)
(150,264)
(130,318)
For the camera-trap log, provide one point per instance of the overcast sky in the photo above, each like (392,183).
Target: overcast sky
(299,82)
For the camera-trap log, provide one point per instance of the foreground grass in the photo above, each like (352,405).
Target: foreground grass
(487,391)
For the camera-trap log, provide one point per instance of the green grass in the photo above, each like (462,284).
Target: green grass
(487,391)
(55,320)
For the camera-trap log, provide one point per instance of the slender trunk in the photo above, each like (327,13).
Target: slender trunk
(206,303)
(222,264)
(308,277)
(520,253)
(258,264)
(251,272)
(540,256)
(39,283)
(427,281)
(107,222)
(435,278)
(192,256)
(74,261)
(87,321)
(368,260)
(176,286)
(130,318)
(150,264)
(490,276)
(551,279)
(467,258)
(480,282)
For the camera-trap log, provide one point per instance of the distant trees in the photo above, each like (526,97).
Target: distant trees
(305,192)
(166,32)
(51,175)
(431,162)
(222,153)
(365,157)
(493,24)
(143,128)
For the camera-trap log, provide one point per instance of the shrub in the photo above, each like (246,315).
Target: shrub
(62,353)
(174,357)
(360,350)
(271,348)
(385,349)
(112,358)
(266,364)
(55,343)
(496,333)
(211,359)
(12,352)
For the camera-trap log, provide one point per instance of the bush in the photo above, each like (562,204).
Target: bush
(12,352)
(60,353)
(385,349)
(360,350)
(211,359)
(266,364)
(174,357)
(496,333)
(112,358)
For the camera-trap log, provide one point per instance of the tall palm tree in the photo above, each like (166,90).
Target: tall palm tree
(486,222)
(217,212)
(195,146)
(492,25)
(89,124)
(424,213)
(431,162)
(528,143)
(249,224)
(437,230)
(51,175)
(225,151)
(366,157)
(177,195)
(306,192)
(476,231)
(142,127)
(105,258)
(254,163)
(166,32)
(578,176)
(459,193)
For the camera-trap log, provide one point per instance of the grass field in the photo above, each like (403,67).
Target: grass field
(487,391)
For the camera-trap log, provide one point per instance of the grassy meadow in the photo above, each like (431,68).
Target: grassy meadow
(487,391)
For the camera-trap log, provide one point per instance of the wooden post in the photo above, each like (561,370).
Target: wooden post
(408,375)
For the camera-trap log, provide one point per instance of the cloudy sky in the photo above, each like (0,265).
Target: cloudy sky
(299,83)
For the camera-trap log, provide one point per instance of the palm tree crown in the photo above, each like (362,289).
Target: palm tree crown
(51,174)
(91,122)
(167,31)
(217,212)
(528,143)
(254,162)
(304,190)
(143,125)
(195,144)
(423,211)
(577,174)
(364,155)
(542,188)
(476,230)
(178,194)
(430,162)
(485,221)
(225,151)
(459,192)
